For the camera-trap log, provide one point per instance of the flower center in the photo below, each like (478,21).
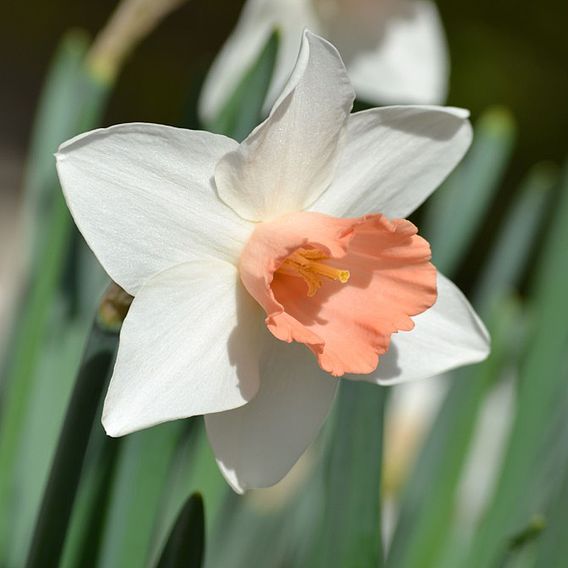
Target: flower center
(305,264)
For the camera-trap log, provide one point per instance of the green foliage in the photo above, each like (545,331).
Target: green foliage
(428,504)
(136,502)
(351,526)
(186,545)
(553,544)
(18,382)
(541,400)
(137,492)
(71,102)
(508,258)
(87,524)
(54,123)
(428,501)
(59,496)
(458,208)
(243,111)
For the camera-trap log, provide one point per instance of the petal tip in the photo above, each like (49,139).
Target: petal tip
(459,112)
(485,345)
(231,478)
(309,35)
(113,426)
(238,489)
(112,430)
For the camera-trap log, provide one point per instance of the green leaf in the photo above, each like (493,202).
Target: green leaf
(86,528)
(243,111)
(25,354)
(433,484)
(508,258)
(59,496)
(54,380)
(139,484)
(541,401)
(52,228)
(553,546)
(186,544)
(351,530)
(457,209)
(428,500)
(248,535)
(531,532)
(193,469)
(53,123)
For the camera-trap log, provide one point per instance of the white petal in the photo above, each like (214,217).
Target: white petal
(143,196)
(257,21)
(287,161)
(448,335)
(407,63)
(188,346)
(257,444)
(410,62)
(394,158)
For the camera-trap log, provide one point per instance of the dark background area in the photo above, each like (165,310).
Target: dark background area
(512,53)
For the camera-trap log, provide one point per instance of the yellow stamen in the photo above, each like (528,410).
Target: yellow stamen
(303,263)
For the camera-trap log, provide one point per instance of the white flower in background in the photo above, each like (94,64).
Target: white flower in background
(239,253)
(394,50)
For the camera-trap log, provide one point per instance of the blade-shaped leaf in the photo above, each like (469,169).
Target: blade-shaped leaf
(193,469)
(429,496)
(541,402)
(457,209)
(57,367)
(53,229)
(351,527)
(138,488)
(508,258)
(59,496)
(186,544)
(86,528)
(243,111)
(54,123)
(553,546)
(428,500)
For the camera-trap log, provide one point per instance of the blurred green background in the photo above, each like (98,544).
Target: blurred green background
(482,225)
(506,52)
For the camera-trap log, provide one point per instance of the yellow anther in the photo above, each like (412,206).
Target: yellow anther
(302,263)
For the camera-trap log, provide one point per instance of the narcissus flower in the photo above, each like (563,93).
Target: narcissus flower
(263,271)
(394,50)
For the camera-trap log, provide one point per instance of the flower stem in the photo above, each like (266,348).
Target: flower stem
(131,22)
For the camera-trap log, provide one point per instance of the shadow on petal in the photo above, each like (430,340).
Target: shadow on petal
(244,342)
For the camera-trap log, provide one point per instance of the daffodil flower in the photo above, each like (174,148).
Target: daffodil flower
(262,271)
(394,50)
